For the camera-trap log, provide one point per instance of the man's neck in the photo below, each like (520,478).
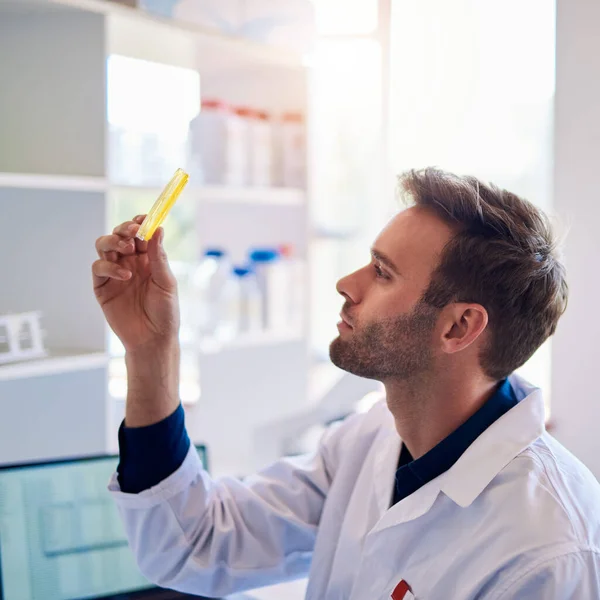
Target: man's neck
(428,410)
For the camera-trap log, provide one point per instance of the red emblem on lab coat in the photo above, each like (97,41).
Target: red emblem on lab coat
(400,590)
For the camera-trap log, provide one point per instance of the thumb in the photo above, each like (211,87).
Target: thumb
(159,263)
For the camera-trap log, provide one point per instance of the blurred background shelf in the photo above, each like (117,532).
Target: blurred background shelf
(278,196)
(52,182)
(56,363)
(78,72)
(120,91)
(260,339)
(225,50)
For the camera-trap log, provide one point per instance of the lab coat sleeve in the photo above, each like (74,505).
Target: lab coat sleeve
(215,537)
(570,576)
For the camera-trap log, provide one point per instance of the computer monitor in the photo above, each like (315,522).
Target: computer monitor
(61,537)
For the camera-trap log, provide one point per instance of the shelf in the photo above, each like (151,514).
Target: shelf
(271,196)
(245,341)
(52,182)
(221,43)
(189,380)
(54,364)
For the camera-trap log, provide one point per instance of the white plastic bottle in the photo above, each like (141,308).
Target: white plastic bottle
(230,303)
(295,268)
(292,150)
(218,145)
(240,174)
(251,320)
(207,135)
(272,280)
(208,281)
(236,171)
(261,149)
(241,304)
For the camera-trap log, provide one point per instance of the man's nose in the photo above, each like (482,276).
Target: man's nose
(349,288)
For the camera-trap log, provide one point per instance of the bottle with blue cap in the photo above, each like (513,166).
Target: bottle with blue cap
(241,305)
(251,315)
(208,281)
(272,277)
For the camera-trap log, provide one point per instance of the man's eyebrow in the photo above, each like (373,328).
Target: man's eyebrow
(382,258)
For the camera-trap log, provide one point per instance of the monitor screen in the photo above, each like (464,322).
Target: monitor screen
(61,537)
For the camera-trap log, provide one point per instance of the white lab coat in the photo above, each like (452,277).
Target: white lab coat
(516,517)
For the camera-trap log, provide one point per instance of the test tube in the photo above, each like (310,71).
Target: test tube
(163,205)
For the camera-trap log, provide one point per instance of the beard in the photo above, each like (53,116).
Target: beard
(397,348)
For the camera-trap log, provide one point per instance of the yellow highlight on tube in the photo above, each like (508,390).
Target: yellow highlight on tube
(163,205)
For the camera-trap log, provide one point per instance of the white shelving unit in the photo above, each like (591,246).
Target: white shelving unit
(56,199)
(35,181)
(53,364)
(229,50)
(274,196)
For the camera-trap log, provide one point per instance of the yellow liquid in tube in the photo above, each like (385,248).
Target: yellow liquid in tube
(163,205)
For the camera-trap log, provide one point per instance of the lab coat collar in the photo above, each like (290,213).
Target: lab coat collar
(496,446)
(410,508)
(386,462)
(470,475)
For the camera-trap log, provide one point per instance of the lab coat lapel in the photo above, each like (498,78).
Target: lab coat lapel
(481,462)
(387,454)
(410,508)
(386,463)
(370,499)
(497,446)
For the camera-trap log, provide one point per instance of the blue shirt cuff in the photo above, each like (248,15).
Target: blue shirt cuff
(148,455)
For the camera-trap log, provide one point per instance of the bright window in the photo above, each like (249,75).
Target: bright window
(346,120)
(149,108)
(353,17)
(472,86)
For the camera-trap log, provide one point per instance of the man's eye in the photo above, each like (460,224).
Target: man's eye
(379,272)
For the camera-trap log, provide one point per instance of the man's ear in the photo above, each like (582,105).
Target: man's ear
(463,324)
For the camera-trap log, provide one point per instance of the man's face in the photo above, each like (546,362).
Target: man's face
(385,332)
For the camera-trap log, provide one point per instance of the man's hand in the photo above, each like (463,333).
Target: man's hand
(138,294)
(136,288)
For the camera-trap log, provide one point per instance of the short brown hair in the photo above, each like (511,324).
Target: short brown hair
(503,256)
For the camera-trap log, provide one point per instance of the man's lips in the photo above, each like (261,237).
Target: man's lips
(346,319)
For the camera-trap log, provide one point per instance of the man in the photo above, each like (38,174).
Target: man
(448,489)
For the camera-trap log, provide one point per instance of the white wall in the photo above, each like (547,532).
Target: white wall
(576,350)
(52,103)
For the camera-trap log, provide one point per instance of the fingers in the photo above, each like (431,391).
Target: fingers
(121,241)
(127,229)
(114,244)
(103,270)
(140,245)
(159,264)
